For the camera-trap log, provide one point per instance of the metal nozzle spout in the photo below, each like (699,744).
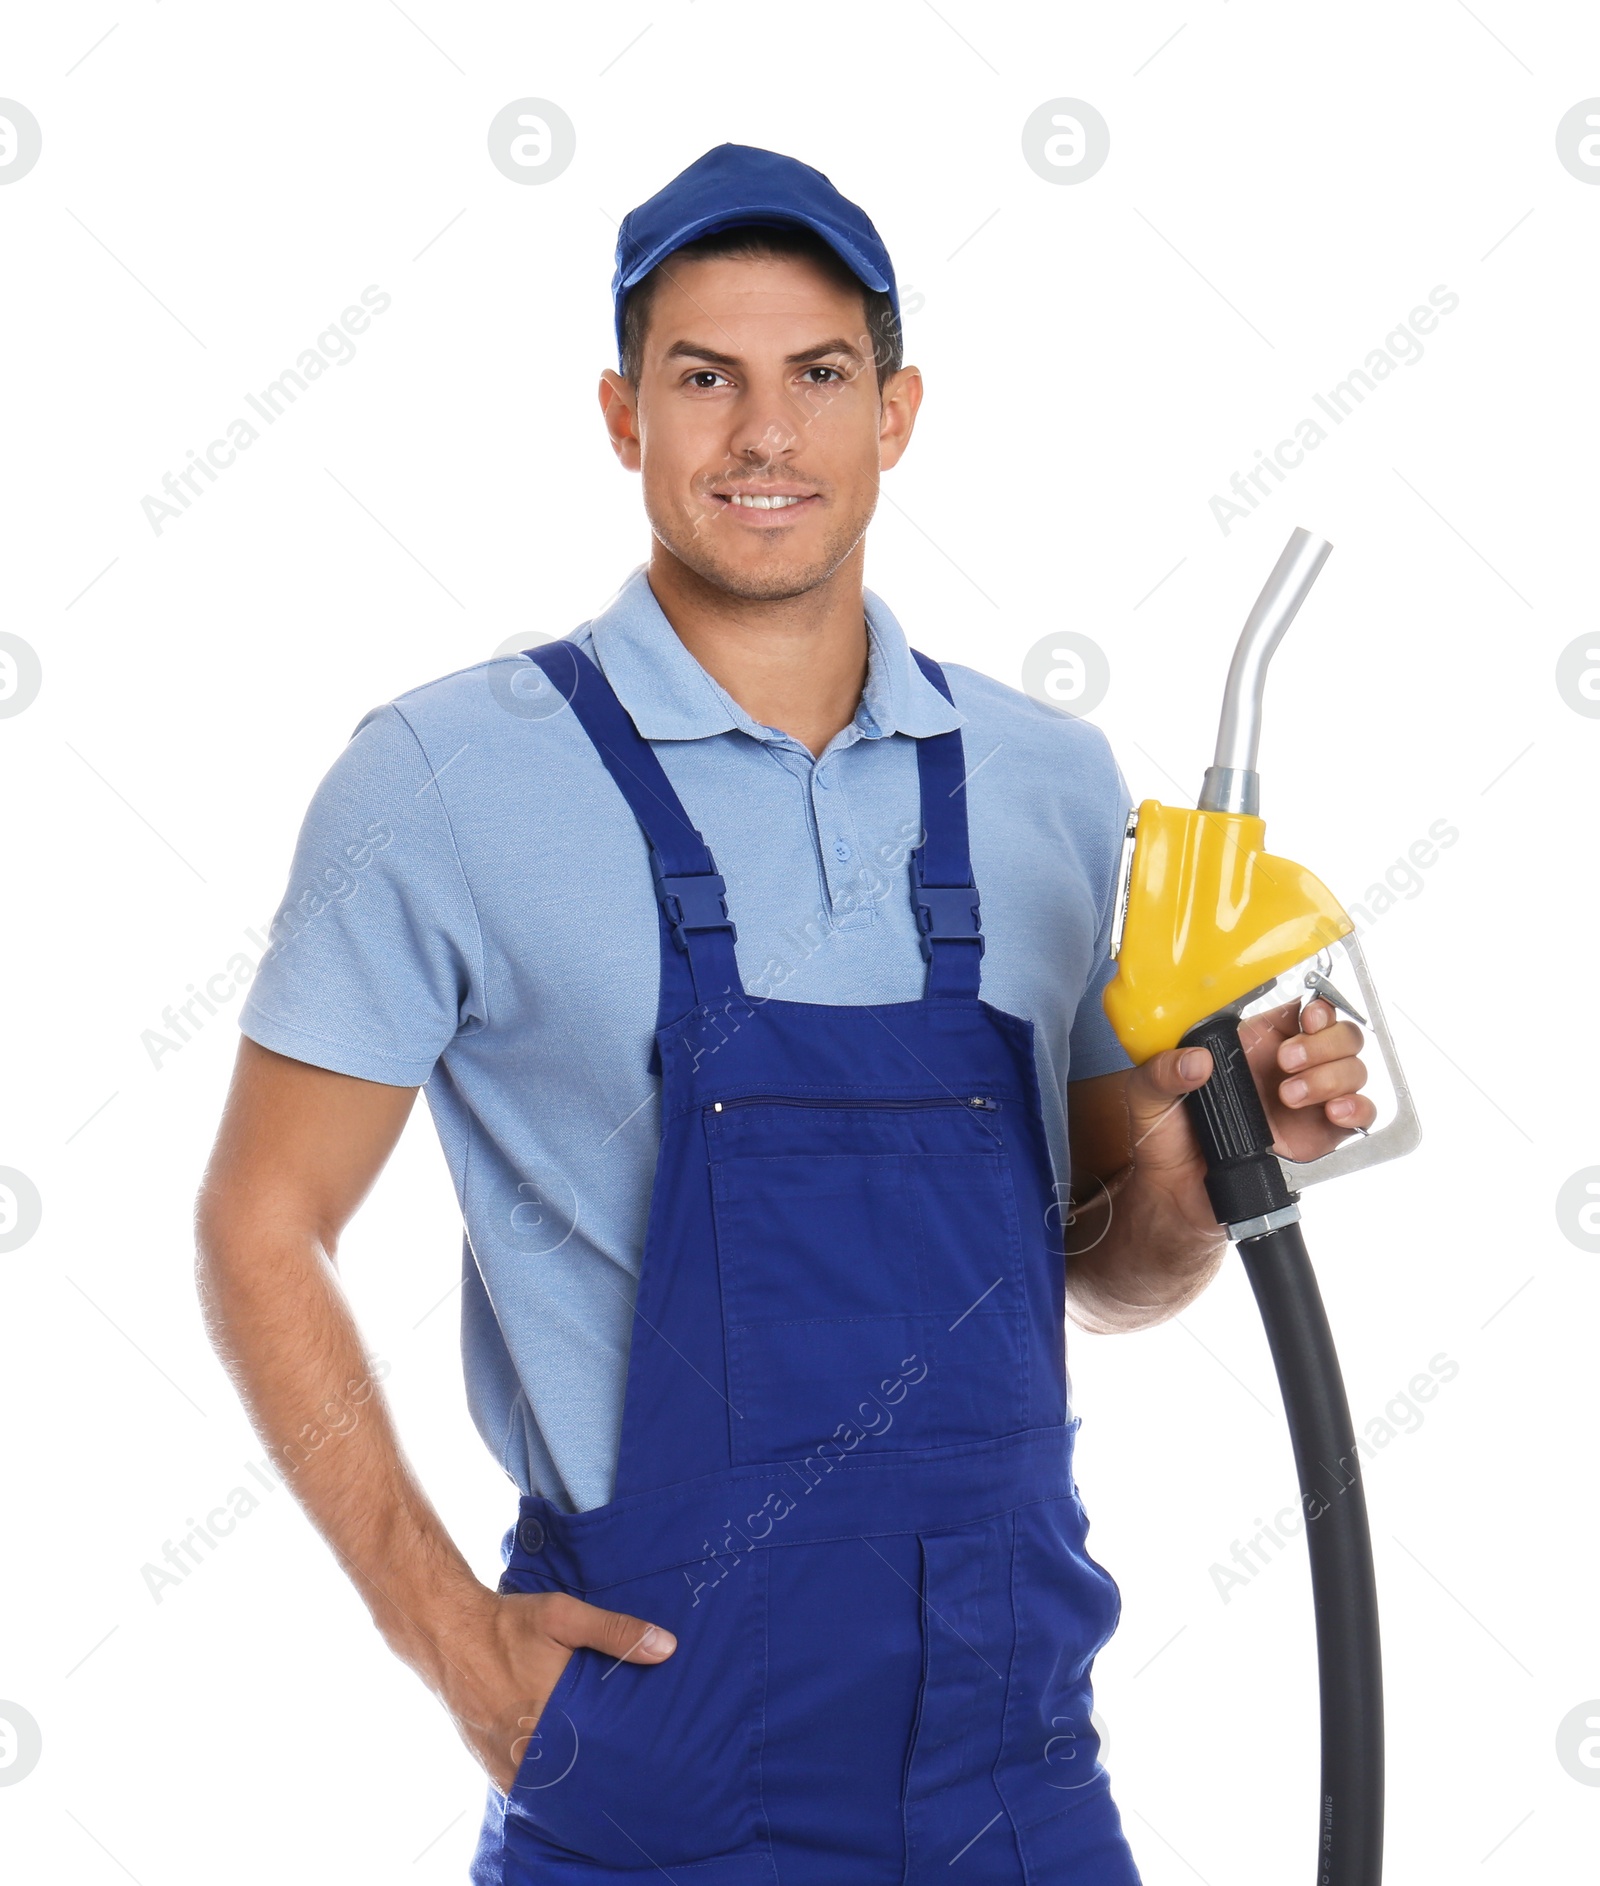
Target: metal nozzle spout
(1232,783)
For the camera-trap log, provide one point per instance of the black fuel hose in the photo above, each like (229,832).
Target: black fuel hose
(1246,1184)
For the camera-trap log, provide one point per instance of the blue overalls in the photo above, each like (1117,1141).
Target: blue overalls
(845,1472)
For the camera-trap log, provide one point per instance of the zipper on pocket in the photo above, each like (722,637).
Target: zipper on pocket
(969,1102)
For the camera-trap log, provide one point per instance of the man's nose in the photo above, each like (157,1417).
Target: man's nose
(766,430)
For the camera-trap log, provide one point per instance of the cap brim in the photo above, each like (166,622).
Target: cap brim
(757,213)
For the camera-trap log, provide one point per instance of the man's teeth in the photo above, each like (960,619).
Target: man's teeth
(762,504)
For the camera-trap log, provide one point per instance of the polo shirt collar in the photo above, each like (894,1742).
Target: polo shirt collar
(669,696)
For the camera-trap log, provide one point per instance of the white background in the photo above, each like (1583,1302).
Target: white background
(1284,184)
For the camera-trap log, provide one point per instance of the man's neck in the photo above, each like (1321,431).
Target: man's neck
(798,663)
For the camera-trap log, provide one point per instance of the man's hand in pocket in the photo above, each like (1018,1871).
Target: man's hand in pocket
(504,1657)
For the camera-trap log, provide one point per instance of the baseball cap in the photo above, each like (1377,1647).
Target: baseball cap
(737,183)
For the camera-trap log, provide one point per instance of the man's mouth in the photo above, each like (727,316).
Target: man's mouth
(767,503)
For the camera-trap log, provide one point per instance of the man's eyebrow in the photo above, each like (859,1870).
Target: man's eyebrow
(693,350)
(823,349)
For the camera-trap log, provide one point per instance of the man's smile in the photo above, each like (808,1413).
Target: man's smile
(766,506)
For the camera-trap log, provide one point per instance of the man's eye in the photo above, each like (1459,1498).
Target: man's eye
(837,375)
(704,377)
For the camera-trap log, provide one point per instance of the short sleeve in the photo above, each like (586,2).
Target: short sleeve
(374,962)
(1093,1047)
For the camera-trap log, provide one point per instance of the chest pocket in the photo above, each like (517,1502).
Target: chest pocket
(870,1268)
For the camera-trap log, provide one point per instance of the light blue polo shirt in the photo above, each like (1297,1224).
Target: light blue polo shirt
(470,910)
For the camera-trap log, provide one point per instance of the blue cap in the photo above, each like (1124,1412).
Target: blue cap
(734,184)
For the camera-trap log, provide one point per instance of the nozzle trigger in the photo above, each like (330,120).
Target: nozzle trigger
(1320,985)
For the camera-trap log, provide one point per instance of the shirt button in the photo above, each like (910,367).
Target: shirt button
(823,781)
(841,851)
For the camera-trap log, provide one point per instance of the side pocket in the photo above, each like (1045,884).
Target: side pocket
(949,1790)
(657,1760)
(1065,1607)
(552,1746)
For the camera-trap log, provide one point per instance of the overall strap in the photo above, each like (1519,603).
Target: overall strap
(943,893)
(698,964)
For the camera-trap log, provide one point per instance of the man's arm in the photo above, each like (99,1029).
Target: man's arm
(1143,1241)
(298,1149)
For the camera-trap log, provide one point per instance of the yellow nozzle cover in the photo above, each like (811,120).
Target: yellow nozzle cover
(1210,915)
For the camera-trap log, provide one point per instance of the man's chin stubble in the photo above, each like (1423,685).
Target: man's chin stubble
(777,580)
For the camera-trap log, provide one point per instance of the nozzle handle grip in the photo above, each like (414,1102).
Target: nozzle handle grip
(1243,1177)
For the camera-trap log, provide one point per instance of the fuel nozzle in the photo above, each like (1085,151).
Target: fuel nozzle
(1232,783)
(1208,919)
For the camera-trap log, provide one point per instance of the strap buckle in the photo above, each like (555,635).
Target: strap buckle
(696,903)
(944,913)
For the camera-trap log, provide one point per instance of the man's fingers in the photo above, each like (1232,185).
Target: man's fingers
(1335,1042)
(1156,1085)
(1315,1085)
(1302,1072)
(1351,1110)
(1287,1018)
(1165,1076)
(615,1634)
(499,1711)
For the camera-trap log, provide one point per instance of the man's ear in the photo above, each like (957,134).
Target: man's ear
(898,403)
(619,403)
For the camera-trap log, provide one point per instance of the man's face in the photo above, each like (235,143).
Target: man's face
(757,422)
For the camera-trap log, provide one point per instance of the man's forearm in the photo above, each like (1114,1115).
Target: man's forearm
(298,1150)
(281,1325)
(1134,1258)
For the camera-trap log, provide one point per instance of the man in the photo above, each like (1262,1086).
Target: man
(752,966)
